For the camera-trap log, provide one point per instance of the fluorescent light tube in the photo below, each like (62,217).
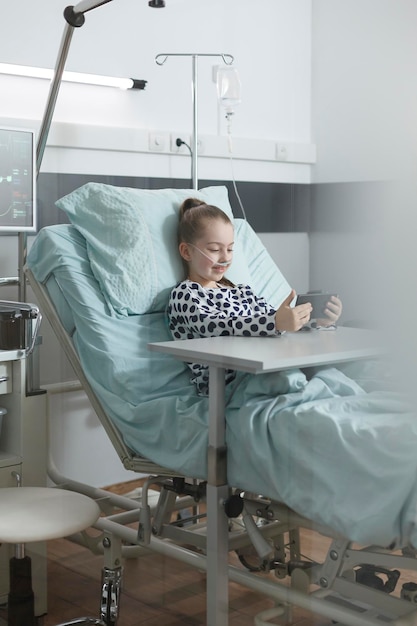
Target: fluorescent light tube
(73,77)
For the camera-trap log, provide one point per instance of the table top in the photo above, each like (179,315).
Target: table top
(267,354)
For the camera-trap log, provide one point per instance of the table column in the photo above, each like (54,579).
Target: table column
(217,492)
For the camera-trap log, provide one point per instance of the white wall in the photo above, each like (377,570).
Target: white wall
(363,91)
(271,44)
(364,102)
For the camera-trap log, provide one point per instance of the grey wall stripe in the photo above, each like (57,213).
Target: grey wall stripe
(270,207)
(349,207)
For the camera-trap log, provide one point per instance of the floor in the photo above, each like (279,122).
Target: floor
(156,590)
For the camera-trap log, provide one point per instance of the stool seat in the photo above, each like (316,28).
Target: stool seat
(40,513)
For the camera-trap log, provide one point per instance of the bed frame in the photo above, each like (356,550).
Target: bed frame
(352,585)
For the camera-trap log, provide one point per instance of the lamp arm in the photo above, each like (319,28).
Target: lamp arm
(53,95)
(74,17)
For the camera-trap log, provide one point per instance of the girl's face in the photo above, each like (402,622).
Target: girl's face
(205,254)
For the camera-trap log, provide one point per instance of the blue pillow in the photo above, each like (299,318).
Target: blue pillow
(132,245)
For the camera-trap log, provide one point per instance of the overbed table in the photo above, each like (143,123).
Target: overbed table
(256,355)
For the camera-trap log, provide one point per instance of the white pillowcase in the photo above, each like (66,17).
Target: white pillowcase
(132,243)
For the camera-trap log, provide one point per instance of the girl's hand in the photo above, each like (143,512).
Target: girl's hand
(333,311)
(292,318)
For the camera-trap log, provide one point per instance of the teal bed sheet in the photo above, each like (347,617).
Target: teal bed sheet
(336,445)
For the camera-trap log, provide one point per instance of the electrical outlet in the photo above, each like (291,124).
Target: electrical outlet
(201,146)
(182,149)
(158,142)
(281,151)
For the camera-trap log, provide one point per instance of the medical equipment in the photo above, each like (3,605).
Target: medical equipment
(228,93)
(228,90)
(298,442)
(17,180)
(222,264)
(19,326)
(229,97)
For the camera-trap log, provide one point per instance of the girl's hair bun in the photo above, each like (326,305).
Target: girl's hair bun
(190,203)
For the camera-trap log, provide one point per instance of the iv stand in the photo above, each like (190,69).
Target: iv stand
(160,60)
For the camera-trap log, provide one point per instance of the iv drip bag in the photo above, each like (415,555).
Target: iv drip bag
(228,87)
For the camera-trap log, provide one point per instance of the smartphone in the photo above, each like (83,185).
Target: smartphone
(317,300)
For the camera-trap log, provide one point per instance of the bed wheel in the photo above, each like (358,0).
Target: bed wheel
(111,582)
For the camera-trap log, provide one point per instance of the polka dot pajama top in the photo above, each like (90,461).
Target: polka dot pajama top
(195,311)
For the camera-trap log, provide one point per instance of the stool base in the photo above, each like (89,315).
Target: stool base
(21,610)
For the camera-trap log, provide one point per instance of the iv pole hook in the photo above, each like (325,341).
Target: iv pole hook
(162,57)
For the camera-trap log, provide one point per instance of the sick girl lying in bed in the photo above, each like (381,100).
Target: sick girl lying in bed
(207,304)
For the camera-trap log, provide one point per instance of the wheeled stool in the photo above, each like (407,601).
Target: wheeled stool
(37,514)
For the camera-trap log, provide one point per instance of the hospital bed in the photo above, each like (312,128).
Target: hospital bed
(281,448)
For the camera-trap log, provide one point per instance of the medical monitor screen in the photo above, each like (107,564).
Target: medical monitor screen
(17,180)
